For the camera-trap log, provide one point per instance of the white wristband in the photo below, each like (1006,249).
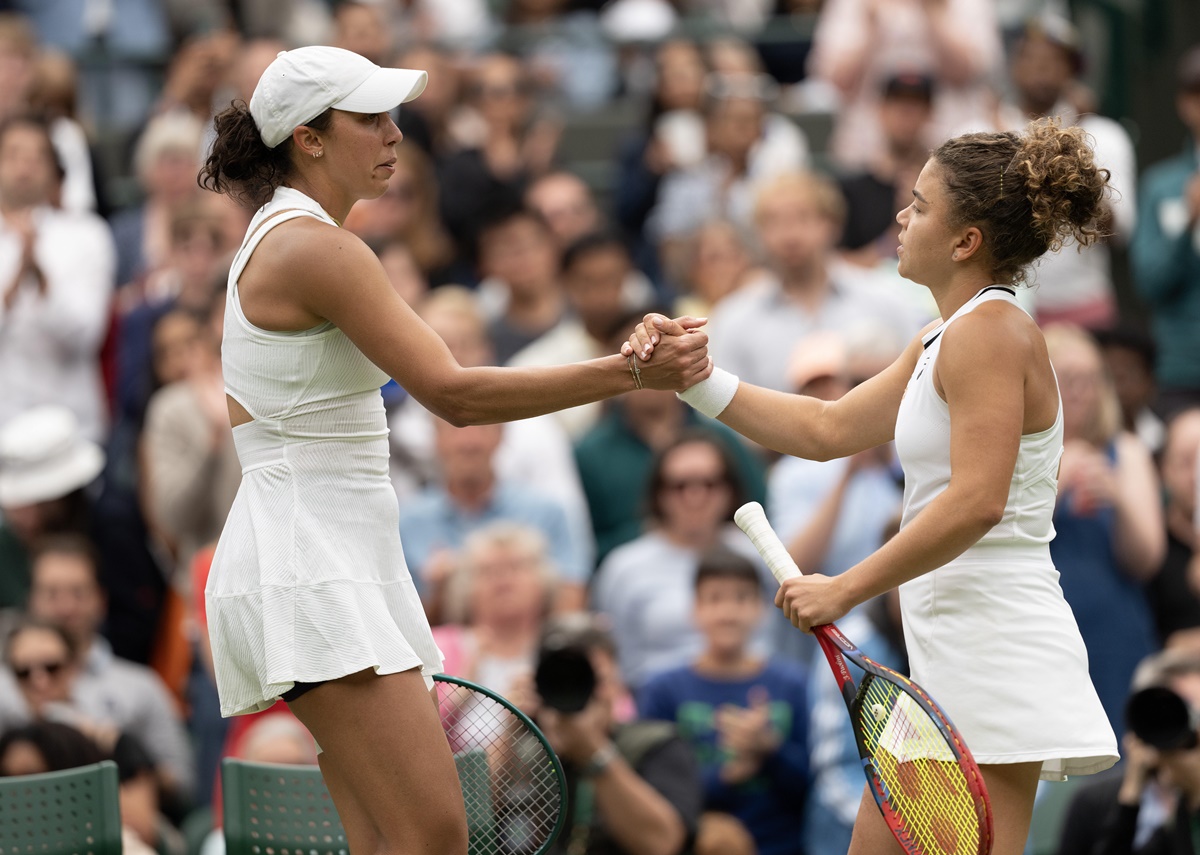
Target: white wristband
(712,395)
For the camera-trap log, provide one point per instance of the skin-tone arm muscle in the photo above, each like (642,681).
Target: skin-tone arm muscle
(310,272)
(983,367)
(1140,541)
(809,427)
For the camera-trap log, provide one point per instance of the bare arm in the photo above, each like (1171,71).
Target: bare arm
(982,369)
(306,271)
(1140,536)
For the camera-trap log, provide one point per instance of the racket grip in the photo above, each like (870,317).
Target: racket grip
(751,519)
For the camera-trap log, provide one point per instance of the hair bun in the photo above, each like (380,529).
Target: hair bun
(1065,188)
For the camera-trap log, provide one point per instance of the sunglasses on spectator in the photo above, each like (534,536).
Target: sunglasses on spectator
(50,669)
(682,485)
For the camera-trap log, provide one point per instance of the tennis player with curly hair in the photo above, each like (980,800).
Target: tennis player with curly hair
(974,409)
(309,598)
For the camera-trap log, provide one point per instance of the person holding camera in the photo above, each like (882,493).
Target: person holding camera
(633,788)
(1153,806)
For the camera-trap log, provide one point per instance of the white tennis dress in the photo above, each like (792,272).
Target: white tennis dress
(990,635)
(308,582)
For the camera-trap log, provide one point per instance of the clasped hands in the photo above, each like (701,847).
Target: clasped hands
(671,353)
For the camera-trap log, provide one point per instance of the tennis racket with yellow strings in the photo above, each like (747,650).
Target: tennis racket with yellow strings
(920,772)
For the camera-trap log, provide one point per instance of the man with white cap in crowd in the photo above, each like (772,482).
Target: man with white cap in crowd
(45,464)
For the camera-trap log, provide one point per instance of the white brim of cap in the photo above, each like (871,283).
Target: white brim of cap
(384,89)
(47,481)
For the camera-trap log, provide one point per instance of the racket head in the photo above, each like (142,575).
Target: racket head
(513,783)
(919,770)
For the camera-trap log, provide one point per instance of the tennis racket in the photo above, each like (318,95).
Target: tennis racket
(924,779)
(512,782)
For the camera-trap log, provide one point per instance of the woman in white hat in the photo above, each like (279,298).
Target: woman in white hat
(309,598)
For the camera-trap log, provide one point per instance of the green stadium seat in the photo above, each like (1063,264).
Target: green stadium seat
(72,812)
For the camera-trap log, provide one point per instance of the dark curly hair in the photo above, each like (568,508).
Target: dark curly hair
(240,164)
(1028,193)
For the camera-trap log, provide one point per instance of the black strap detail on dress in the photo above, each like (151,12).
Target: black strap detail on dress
(934,337)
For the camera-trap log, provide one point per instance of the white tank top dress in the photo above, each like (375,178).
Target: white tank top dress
(308,582)
(989,634)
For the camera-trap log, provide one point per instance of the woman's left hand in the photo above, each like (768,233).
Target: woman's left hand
(812,600)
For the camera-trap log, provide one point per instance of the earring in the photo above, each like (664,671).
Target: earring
(318,152)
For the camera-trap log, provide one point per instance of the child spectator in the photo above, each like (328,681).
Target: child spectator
(745,715)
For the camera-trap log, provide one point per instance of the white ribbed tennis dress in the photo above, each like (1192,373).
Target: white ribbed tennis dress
(990,635)
(308,582)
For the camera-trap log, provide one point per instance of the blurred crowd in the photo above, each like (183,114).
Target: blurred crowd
(571,165)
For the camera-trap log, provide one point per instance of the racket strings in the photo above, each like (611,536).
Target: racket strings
(928,791)
(509,778)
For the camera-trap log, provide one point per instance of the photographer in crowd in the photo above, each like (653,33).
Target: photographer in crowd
(633,787)
(1153,807)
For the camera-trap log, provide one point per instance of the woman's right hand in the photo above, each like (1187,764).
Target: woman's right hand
(676,361)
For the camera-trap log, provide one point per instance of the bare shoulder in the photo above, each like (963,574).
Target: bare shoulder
(307,247)
(995,330)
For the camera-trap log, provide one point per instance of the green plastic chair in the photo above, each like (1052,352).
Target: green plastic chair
(273,809)
(270,809)
(72,812)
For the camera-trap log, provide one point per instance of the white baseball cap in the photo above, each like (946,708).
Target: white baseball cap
(301,84)
(44,456)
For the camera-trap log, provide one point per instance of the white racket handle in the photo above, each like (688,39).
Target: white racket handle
(752,519)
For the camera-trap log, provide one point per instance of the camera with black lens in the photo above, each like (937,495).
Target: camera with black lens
(1162,719)
(564,676)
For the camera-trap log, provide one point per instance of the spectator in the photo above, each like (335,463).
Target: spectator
(45,466)
(745,715)
(594,271)
(884,185)
(858,43)
(1131,355)
(671,138)
(50,746)
(830,514)
(518,254)
(716,263)
(35,80)
(190,470)
(363,27)
(1150,808)
(1047,62)
(501,591)
(428,121)
(45,746)
(565,202)
(504,146)
(534,452)
(56,273)
(754,331)
(1173,596)
(638,780)
(166,160)
(187,280)
(106,688)
(1109,534)
(1165,253)
(645,586)
(746,147)
(467,496)
(39,677)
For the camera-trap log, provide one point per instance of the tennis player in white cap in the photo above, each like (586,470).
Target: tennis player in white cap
(309,598)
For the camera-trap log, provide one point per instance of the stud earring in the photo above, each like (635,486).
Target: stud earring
(318,152)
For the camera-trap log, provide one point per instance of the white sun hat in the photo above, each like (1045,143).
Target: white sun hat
(301,84)
(44,456)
